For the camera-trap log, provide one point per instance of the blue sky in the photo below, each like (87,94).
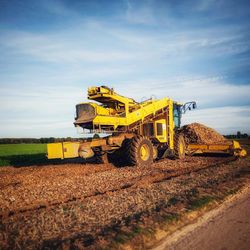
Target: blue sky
(52,50)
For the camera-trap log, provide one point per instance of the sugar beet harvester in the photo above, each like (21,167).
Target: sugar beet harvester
(138,132)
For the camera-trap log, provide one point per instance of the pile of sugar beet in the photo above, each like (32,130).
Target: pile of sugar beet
(200,134)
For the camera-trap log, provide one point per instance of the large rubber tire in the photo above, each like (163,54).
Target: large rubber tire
(140,151)
(179,146)
(155,153)
(101,157)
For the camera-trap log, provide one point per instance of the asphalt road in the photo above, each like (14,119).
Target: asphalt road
(224,228)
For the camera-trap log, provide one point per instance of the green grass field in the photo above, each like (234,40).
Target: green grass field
(22,154)
(22,149)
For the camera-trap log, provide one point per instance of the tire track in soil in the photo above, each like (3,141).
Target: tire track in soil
(152,176)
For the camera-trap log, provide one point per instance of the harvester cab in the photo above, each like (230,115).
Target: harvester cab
(180,109)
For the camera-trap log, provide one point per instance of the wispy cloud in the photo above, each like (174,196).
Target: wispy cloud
(39,111)
(221,118)
(129,46)
(57,7)
(208,92)
(140,13)
(53,49)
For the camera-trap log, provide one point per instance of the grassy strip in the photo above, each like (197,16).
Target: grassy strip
(201,202)
(123,239)
(22,154)
(22,149)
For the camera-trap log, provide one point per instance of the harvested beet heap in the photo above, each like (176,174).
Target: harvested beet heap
(201,134)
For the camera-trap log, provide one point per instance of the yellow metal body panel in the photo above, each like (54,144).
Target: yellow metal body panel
(54,150)
(70,149)
(238,151)
(197,147)
(100,110)
(63,150)
(241,153)
(220,147)
(231,147)
(98,142)
(134,116)
(92,91)
(171,124)
(97,92)
(236,145)
(162,137)
(110,120)
(149,108)
(209,147)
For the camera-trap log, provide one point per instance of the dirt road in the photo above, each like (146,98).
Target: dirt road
(227,227)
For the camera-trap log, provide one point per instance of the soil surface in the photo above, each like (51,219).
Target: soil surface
(80,206)
(227,227)
(32,187)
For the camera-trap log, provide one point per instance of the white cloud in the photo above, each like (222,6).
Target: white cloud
(227,120)
(39,100)
(213,91)
(51,48)
(56,7)
(140,14)
(96,42)
(38,128)
(39,111)
(205,5)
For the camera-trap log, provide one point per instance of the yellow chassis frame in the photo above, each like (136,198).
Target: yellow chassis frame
(233,148)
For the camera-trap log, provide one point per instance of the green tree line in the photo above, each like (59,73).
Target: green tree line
(35,140)
(239,135)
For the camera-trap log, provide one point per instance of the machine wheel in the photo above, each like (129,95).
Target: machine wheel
(101,157)
(155,153)
(140,151)
(179,146)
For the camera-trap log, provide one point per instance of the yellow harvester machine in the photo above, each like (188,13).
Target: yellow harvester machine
(139,132)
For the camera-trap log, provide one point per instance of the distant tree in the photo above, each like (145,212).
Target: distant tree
(245,135)
(51,139)
(238,134)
